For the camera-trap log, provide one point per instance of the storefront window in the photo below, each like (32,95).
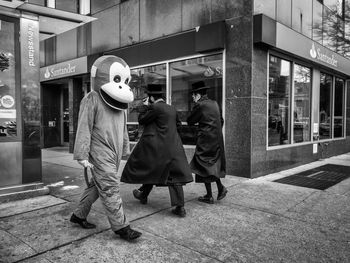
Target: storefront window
(8,121)
(302,104)
(140,78)
(279,100)
(325,106)
(182,75)
(338,108)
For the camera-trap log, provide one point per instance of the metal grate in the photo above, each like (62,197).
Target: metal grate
(319,178)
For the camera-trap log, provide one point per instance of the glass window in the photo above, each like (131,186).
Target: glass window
(335,5)
(266,7)
(284,12)
(333,29)
(338,108)
(302,103)
(317,30)
(302,17)
(182,75)
(279,100)
(37,2)
(8,127)
(140,78)
(67,5)
(325,106)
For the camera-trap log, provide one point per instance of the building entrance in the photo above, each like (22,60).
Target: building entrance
(55,106)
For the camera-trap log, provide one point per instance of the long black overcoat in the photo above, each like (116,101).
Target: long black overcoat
(209,158)
(159,157)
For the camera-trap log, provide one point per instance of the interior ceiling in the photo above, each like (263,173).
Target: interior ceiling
(51,21)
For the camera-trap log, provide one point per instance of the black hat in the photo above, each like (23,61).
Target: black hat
(154,89)
(199,85)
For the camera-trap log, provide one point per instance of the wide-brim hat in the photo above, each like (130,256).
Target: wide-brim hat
(154,89)
(199,85)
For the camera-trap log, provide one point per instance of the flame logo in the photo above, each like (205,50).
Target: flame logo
(313,53)
(209,72)
(47,73)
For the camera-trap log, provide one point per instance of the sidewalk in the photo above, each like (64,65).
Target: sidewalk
(258,221)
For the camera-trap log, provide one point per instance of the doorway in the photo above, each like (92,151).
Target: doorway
(55,107)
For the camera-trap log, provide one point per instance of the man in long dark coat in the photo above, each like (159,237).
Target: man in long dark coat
(159,157)
(208,163)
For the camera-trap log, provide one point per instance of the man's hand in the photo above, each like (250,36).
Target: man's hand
(85,163)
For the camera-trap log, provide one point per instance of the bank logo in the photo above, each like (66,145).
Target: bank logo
(209,72)
(47,73)
(323,55)
(313,52)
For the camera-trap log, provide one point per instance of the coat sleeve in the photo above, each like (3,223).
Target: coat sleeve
(195,115)
(148,117)
(126,142)
(85,125)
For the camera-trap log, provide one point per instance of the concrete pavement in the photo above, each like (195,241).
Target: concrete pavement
(259,221)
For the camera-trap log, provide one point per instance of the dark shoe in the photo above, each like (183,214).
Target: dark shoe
(128,234)
(139,195)
(222,194)
(206,199)
(179,211)
(82,222)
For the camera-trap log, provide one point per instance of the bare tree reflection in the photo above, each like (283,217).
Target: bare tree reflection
(333,31)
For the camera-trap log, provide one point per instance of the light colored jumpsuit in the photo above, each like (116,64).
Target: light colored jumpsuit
(102,138)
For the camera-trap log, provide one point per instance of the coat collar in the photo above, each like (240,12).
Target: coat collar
(204,97)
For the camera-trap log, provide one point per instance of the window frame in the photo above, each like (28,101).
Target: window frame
(334,77)
(18,137)
(168,81)
(312,67)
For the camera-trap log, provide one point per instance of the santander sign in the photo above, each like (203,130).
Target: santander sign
(317,53)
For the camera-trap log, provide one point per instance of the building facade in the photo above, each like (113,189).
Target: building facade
(278,69)
(22,25)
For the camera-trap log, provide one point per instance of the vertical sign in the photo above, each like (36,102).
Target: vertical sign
(30,95)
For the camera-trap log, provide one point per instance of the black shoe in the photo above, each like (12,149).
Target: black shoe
(222,193)
(139,195)
(82,222)
(128,234)
(179,211)
(206,199)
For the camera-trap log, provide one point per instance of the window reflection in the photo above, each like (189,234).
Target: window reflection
(279,97)
(335,5)
(182,75)
(317,21)
(325,106)
(333,29)
(8,127)
(338,108)
(302,17)
(302,104)
(140,78)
